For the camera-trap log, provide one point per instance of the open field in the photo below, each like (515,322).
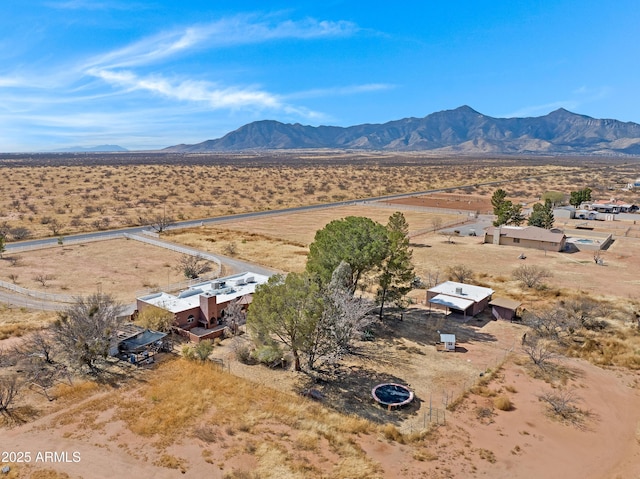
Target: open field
(119,267)
(51,195)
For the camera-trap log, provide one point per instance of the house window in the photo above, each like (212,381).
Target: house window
(516,240)
(191,318)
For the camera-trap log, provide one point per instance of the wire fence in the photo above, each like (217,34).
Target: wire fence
(58,298)
(438,406)
(175,247)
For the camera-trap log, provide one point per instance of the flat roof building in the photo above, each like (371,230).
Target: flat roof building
(467,299)
(200,309)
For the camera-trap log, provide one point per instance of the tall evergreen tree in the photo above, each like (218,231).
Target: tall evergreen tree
(580,196)
(356,240)
(396,271)
(542,215)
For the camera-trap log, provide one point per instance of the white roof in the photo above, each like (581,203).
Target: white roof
(235,286)
(451,302)
(469,291)
(447,338)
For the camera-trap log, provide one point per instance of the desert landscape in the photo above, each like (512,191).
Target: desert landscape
(485,410)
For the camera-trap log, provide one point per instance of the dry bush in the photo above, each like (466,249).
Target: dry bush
(171,462)
(487,455)
(76,391)
(391,433)
(48,474)
(206,433)
(503,403)
(563,404)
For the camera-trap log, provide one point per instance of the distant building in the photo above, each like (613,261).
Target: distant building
(564,212)
(199,311)
(611,206)
(525,237)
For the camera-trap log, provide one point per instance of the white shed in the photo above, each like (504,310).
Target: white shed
(449,341)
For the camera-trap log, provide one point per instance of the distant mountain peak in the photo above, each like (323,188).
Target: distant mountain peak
(91,149)
(459,131)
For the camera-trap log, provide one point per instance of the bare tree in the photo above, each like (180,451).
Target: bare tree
(539,351)
(436,223)
(192,266)
(10,387)
(460,273)
(449,234)
(38,344)
(531,276)
(585,312)
(158,319)
(563,402)
(55,226)
(43,279)
(157,223)
(231,249)
(344,318)
(85,329)
(433,277)
(551,322)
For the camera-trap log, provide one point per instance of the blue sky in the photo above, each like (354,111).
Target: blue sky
(150,74)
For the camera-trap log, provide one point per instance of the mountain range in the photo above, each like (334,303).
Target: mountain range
(459,131)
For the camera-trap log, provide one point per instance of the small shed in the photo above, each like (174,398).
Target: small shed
(449,341)
(504,308)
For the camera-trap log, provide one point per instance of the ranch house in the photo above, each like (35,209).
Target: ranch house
(525,237)
(200,310)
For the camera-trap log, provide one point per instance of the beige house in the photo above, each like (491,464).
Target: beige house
(526,237)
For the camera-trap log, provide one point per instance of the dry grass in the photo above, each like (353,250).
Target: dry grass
(17,321)
(89,193)
(179,394)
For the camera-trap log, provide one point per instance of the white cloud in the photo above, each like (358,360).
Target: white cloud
(229,31)
(582,95)
(189,90)
(339,91)
(537,110)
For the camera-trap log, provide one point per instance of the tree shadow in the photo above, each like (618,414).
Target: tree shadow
(348,389)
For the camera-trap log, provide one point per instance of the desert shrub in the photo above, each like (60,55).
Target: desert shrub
(206,433)
(391,433)
(503,403)
(269,354)
(531,276)
(199,352)
(244,354)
